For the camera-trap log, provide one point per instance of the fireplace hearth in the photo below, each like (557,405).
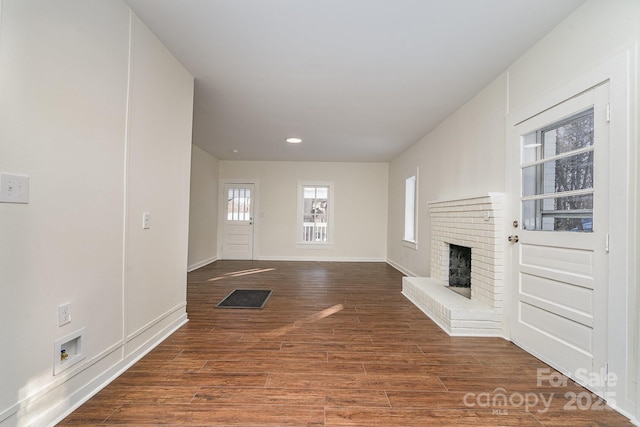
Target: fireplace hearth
(463,229)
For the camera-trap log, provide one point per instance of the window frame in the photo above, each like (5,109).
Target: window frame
(410,211)
(330,214)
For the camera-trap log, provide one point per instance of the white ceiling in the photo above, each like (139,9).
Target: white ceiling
(358,80)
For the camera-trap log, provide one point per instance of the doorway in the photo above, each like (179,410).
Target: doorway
(237,220)
(560,235)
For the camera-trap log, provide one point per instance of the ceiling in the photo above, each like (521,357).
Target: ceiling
(357,80)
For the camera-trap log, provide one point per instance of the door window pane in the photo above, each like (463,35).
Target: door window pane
(572,213)
(560,175)
(570,135)
(568,145)
(239,204)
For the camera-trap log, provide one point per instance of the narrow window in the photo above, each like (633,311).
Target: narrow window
(410,209)
(315,212)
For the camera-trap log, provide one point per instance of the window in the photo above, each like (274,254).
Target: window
(557,176)
(315,208)
(239,204)
(410,195)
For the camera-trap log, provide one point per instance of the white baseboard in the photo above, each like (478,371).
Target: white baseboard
(400,268)
(199,264)
(41,414)
(318,258)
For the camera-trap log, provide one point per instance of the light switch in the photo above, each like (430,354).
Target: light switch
(14,188)
(146,220)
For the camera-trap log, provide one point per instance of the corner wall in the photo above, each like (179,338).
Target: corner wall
(98,114)
(203,209)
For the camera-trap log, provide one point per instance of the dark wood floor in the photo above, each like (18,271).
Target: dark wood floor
(336,345)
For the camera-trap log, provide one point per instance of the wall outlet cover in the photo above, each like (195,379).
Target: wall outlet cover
(64,314)
(146,220)
(14,188)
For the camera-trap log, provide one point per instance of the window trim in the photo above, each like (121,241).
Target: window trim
(407,241)
(300,214)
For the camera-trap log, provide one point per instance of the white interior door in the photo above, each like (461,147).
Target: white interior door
(238,221)
(560,243)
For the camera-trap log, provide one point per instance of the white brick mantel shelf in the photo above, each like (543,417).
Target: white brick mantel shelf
(477,223)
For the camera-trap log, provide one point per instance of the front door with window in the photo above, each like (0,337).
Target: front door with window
(559,240)
(238,221)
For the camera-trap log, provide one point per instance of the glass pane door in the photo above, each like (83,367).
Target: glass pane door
(557,176)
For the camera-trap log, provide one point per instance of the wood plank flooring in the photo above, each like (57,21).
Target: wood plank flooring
(336,345)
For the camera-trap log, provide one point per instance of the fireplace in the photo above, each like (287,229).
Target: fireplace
(460,270)
(476,225)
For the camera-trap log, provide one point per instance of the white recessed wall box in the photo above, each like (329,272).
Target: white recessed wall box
(68,350)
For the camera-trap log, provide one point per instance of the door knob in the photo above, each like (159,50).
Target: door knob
(513,238)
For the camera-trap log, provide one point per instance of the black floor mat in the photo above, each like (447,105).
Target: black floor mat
(246,298)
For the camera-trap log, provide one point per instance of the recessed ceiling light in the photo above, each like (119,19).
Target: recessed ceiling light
(235,151)
(294,140)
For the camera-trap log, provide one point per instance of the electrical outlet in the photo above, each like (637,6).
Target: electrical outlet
(64,314)
(14,188)
(146,221)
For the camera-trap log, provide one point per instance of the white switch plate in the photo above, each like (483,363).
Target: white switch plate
(14,188)
(146,221)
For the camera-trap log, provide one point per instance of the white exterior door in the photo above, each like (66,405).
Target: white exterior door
(238,221)
(560,242)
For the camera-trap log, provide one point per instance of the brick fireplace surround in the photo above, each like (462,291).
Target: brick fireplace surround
(475,222)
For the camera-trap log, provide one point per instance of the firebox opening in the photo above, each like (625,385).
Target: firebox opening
(460,269)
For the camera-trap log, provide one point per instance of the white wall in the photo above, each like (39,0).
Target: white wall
(203,209)
(462,157)
(158,175)
(360,211)
(102,142)
(471,144)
